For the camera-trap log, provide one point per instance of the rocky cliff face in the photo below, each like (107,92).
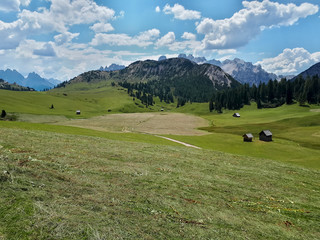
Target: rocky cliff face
(112,67)
(244,72)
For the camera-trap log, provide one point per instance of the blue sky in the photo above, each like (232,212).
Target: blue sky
(63,38)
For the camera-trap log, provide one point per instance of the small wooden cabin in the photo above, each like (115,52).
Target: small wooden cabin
(78,112)
(248,137)
(236,115)
(265,135)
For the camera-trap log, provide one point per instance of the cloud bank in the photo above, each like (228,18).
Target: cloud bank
(246,24)
(290,61)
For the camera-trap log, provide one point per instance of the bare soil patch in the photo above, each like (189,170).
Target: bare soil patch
(152,123)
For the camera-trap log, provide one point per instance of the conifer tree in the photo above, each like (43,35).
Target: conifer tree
(3,114)
(289,93)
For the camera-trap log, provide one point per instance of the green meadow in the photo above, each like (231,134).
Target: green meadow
(67,182)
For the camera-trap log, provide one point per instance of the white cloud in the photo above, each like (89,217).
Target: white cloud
(60,17)
(121,15)
(189,36)
(181,13)
(102,27)
(166,40)
(13,5)
(244,25)
(10,35)
(46,51)
(290,61)
(70,60)
(169,41)
(144,39)
(158,9)
(65,37)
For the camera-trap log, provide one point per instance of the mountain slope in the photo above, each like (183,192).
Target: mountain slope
(37,82)
(185,78)
(244,72)
(312,71)
(12,76)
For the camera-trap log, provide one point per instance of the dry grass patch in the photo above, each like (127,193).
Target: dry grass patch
(153,123)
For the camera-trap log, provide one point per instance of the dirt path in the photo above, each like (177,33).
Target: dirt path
(176,141)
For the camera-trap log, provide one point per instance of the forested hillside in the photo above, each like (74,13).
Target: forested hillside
(176,77)
(273,94)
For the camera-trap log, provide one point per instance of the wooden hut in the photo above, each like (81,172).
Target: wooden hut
(265,135)
(248,137)
(78,112)
(236,115)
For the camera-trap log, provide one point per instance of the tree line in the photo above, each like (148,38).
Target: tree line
(167,90)
(273,94)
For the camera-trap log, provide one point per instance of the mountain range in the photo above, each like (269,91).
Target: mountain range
(242,71)
(173,68)
(33,80)
(112,67)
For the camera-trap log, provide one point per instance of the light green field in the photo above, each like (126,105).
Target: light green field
(295,128)
(91,100)
(66,186)
(295,133)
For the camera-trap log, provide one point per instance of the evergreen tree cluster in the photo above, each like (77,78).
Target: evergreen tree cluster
(273,94)
(146,91)
(185,90)
(141,91)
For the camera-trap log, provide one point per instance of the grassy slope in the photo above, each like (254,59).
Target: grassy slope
(295,129)
(72,183)
(92,100)
(84,187)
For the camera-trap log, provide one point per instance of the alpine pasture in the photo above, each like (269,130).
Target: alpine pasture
(104,174)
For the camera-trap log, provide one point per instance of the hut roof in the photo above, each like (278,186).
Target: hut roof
(236,114)
(248,135)
(266,133)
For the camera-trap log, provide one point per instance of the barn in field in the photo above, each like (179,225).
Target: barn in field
(248,137)
(237,115)
(78,112)
(265,135)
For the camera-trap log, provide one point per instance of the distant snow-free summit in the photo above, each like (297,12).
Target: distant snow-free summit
(33,80)
(242,71)
(112,67)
